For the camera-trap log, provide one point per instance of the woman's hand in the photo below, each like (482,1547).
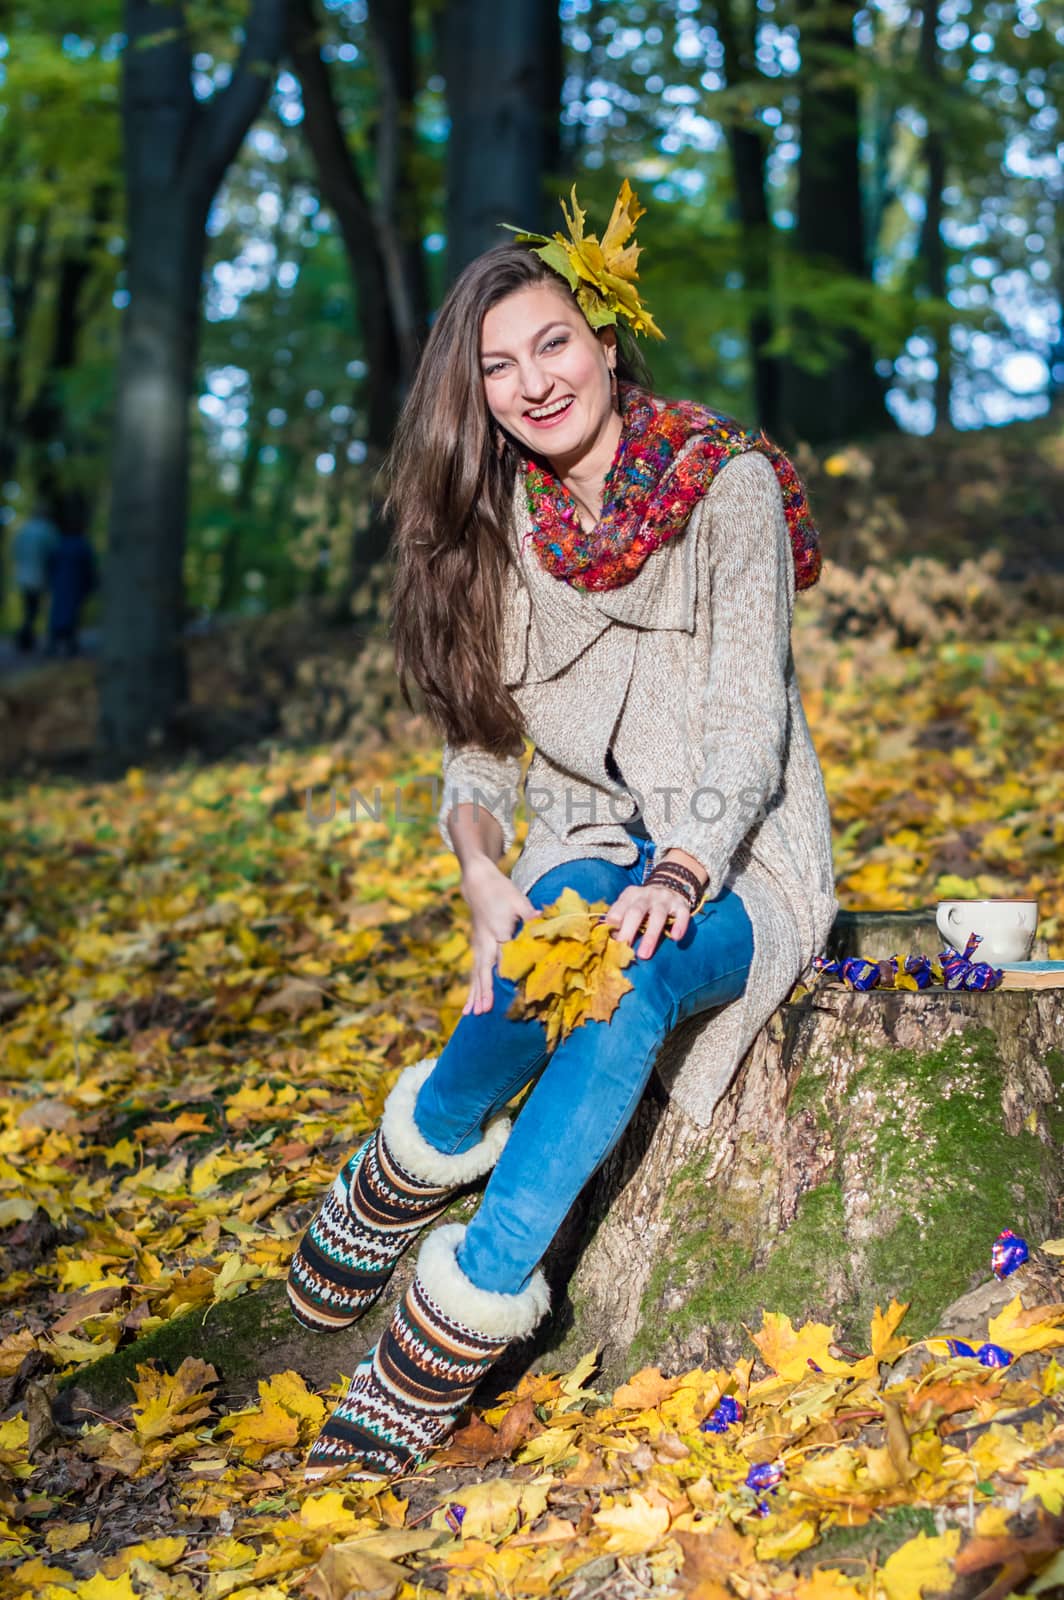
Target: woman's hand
(653,904)
(495,903)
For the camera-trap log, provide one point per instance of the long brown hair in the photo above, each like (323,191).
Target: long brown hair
(450,502)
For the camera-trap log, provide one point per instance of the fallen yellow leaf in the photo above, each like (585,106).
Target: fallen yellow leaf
(789,1352)
(67,1536)
(166,1403)
(922,1563)
(633,1527)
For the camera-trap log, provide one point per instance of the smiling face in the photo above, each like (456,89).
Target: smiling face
(539,354)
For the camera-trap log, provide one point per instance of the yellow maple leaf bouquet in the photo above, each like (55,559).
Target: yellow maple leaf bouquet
(568,965)
(601,273)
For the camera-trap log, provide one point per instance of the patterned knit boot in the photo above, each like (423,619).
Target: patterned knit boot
(404,1398)
(390,1189)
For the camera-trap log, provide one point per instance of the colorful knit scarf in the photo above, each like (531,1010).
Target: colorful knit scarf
(644,503)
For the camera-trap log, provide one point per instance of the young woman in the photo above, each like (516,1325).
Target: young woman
(613,575)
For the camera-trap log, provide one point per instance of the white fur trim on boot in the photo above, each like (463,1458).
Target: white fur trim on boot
(487,1312)
(412,1150)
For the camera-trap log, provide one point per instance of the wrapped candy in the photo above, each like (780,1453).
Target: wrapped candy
(950,968)
(726,1411)
(855,972)
(991,1355)
(860,974)
(914,972)
(763,1479)
(961,972)
(1007,1253)
(766,1475)
(455,1516)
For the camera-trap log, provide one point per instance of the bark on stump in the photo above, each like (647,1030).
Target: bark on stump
(870,1145)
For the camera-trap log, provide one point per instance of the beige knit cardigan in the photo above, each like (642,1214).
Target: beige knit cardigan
(687,673)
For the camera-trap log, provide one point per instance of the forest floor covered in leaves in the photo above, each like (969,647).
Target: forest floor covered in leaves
(204,999)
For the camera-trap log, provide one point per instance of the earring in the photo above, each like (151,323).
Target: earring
(613,386)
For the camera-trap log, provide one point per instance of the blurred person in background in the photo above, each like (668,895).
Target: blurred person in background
(72,576)
(32,547)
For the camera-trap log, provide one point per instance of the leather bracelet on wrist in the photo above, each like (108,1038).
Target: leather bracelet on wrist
(682,889)
(688,876)
(663,876)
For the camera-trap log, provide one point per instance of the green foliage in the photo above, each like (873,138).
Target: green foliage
(282,316)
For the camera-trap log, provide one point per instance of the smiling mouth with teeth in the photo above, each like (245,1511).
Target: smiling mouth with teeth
(545,413)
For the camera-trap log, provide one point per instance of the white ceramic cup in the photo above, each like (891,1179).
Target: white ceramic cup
(1007,927)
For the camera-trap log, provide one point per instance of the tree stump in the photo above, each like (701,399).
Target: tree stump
(871,1145)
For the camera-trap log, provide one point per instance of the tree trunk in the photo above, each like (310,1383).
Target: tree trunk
(143,677)
(870,1145)
(756,235)
(399,219)
(177,152)
(343,191)
(887,44)
(382,241)
(932,244)
(45,424)
(846,397)
(22,283)
(502,92)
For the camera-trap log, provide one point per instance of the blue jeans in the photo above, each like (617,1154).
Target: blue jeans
(587,1089)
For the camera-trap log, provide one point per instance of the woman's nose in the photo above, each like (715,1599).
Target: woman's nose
(535,385)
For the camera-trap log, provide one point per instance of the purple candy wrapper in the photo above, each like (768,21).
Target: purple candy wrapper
(1007,1253)
(727,1411)
(959,971)
(766,1475)
(919,969)
(855,972)
(991,1355)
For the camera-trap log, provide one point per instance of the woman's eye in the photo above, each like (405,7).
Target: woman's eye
(562,338)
